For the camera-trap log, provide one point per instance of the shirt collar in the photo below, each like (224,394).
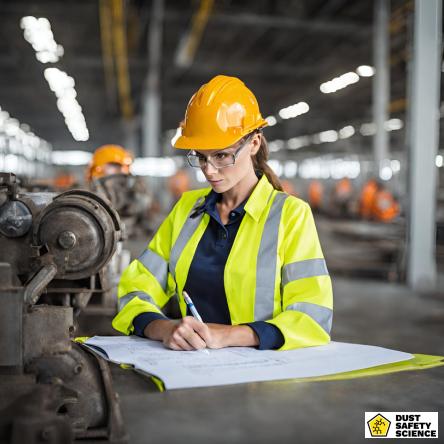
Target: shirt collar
(254,205)
(212,198)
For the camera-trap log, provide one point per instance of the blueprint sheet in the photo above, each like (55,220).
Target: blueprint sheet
(186,369)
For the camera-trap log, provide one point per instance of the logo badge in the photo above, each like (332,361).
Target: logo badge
(386,425)
(378,425)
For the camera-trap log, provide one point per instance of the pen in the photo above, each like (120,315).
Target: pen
(193,309)
(191,306)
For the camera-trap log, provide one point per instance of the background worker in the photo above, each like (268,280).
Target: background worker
(315,195)
(342,196)
(109,175)
(385,208)
(367,198)
(247,253)
(178,183)
(378,203)
(108,160)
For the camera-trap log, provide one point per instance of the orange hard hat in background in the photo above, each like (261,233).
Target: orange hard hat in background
(109,154)
(178,183)
(219,114)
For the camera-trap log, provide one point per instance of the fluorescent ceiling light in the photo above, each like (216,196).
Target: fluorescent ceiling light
(365,70)
(75,157)
(339,82)
(153,166)
(368,129)
(37,31)
(328,136)
(63,87)
(294,110)
(346,132)
(393,124)
(275,145)
(298,142)
(386,173)
(395,165)
(271,120)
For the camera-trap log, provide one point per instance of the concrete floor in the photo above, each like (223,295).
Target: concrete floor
(366,312)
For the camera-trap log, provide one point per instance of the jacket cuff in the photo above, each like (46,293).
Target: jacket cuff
(142,320)
(270,337)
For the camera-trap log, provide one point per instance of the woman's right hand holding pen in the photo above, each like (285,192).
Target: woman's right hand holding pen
(190,334)
(184,334)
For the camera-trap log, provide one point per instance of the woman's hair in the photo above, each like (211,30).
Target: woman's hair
(260,162)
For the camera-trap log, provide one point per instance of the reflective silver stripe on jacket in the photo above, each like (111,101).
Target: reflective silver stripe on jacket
(136,294)
(188,229)
(322,315)
(266,261)
(156,265)
(303,269)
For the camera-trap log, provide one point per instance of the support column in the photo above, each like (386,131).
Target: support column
(381,82)
(131,136)
(424,118)
(151,115)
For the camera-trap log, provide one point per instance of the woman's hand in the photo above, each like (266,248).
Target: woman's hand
(184,334)
(190,334)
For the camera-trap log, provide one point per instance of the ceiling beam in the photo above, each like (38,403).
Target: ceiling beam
(337,27)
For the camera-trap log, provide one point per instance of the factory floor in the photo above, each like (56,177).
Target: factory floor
(367,312)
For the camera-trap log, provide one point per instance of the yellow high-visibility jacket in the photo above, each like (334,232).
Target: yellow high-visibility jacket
(275,271)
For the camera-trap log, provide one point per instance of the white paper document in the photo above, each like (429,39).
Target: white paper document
(186,369)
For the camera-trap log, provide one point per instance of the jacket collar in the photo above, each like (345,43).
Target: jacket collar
(259,198)
(254,206)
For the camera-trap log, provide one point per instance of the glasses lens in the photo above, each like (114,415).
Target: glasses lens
(218,160)
(221,160)
(195,161)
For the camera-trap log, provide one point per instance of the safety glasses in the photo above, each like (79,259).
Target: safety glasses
(219,160)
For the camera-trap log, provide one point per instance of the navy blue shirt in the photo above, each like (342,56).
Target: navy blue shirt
(205,281)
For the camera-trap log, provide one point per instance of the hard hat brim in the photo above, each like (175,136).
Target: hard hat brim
(205,143)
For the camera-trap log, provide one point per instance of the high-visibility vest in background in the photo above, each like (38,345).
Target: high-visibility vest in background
(275,272)
(343,190)
(385,208)
(315,193)
(367,198)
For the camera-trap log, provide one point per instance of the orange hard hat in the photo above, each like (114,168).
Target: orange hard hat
(109,154)
(218,115)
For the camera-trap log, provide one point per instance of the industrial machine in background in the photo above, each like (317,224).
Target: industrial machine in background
(52,246)
(131,198)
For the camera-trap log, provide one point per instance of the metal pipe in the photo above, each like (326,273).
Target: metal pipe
(381,83)
(190,41)
(121,59)
(151,118)
(423,144)
(38,283)
(107,52)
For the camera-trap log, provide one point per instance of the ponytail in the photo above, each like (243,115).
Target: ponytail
(260,164)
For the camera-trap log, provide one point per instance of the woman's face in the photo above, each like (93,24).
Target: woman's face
(223,179)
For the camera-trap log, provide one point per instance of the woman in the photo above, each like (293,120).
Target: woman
(247,253)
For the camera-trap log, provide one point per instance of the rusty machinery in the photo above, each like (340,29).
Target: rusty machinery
(130,197)
(51,248)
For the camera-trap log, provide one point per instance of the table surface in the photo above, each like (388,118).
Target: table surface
(280,412)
